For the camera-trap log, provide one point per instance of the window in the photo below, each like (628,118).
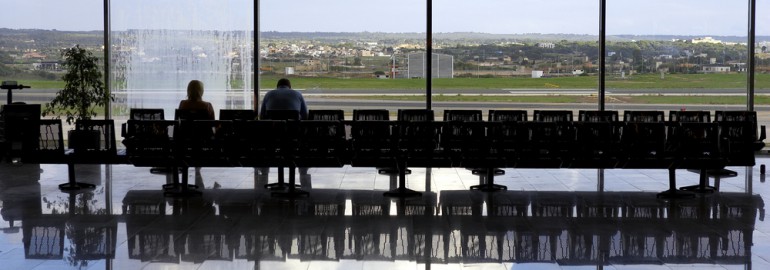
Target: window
(345,54)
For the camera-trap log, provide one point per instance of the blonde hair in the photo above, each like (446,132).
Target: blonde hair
(195,90)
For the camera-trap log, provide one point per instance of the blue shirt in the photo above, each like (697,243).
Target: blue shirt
(283,98)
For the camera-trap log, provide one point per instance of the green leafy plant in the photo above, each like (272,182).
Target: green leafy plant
(83,87)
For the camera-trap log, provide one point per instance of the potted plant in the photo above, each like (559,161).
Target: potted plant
(83,93)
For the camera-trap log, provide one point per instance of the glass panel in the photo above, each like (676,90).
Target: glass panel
(523,55)
(762,62)
(33,36)
(159,46)
(345,54)
(669,56)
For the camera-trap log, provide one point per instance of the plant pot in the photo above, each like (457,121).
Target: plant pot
(84,140)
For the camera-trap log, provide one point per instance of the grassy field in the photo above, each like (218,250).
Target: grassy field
(700,100)
(645,81)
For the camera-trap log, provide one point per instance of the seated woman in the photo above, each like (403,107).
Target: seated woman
(194,101)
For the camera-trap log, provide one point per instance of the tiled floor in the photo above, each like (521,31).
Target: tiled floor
(548,219)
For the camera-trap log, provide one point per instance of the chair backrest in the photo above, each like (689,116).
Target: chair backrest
(146,114)
(149,137)
(281,115)
(463,115)
(189,114)
(51,138)
(415,115)
(690,116)
(106,131)
(326,115)
(507,115)
(552,116)
(239,115)
(597,116)
(371,115)
(644,116)
(735,116)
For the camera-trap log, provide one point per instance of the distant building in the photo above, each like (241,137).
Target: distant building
(46,65)
(537,74)
(705,40)
(715,69)
(442,66)
(546,45)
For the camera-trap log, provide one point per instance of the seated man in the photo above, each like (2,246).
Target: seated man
(284,98)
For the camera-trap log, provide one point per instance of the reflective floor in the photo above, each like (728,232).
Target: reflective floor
(548,219)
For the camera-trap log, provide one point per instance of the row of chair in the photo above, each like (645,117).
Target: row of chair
(551,140)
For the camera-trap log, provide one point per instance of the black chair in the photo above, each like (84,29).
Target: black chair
(696,147)
(191,114)
(373,144)
(507,115)
(417,140)
(644,116)
(371,115)
(237,114)
(738,139)
(598,143)
(548,144)
(103,151)
(598,116)
(456,133)
(326,115)
(689,116)
(552,116)
(282,115)
(261,143)
(291,117)
(415,115)
(50,147)
(320,143)
(146,114)
(149,143)
(463,115)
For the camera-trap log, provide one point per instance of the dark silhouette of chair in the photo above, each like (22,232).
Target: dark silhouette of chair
(417,142)
(644,116)
(146,114)
(104,151)
(689,116)
(320,143)
(467,146)
(191,114)
(598,116)
(507,115)
(291,117)
(371,115)
(551,136)
(552,116)
(259,143)
(377,115)
(326,115)
(237,114)
(597,140)
(738,139)
(373,144)
(697,148)
(149,143)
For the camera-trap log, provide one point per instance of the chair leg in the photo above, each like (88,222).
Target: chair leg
(672,192)
(401,191)
(292,190)
(73,185)
(702,186)
(184,189)
(490,185)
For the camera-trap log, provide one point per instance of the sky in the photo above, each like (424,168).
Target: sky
(640,17)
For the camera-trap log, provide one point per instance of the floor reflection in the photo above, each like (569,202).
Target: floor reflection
(445,227)
(569,228)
